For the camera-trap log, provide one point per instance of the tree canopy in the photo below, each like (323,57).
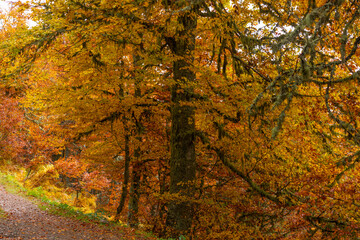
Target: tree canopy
(201,118)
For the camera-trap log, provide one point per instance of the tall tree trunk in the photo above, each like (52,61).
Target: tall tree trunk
(126,177)
(182,162)
(124,189)
(133,208)
(133,220)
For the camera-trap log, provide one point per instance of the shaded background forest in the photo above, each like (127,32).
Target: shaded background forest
(202,118)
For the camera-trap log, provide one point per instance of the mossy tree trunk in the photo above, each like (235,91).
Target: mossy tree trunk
(133,209)
(182,162)
(133,220)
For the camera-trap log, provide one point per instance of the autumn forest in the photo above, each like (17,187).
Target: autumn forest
(189,119)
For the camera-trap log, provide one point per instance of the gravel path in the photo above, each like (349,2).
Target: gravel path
(26,221)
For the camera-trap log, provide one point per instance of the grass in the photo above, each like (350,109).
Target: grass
(3,214)
(12,185)
(38,196)
(65,210)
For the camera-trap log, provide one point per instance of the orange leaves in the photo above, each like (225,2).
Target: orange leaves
(75,168)
(71,167)
(96,180)
(13,140)
(101,77)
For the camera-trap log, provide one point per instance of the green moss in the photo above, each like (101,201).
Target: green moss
(3,214)
(11,184)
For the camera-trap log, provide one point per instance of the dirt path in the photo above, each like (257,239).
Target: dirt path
(26,221)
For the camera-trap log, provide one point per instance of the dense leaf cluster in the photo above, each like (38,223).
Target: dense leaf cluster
(205,118)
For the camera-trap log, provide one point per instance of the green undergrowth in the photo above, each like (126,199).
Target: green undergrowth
(3,214)
(38,195)
(12,185)
(65,210)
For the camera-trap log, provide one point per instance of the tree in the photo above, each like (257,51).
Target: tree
(182,161)
(258,112)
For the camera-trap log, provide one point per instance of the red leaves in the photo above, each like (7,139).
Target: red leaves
(13,142)
(95,180)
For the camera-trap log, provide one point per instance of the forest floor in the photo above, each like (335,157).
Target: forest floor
(21,218)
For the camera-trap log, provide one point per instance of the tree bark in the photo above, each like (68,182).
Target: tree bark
(182,162)
(133,220)
(126,173)
(133,209)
